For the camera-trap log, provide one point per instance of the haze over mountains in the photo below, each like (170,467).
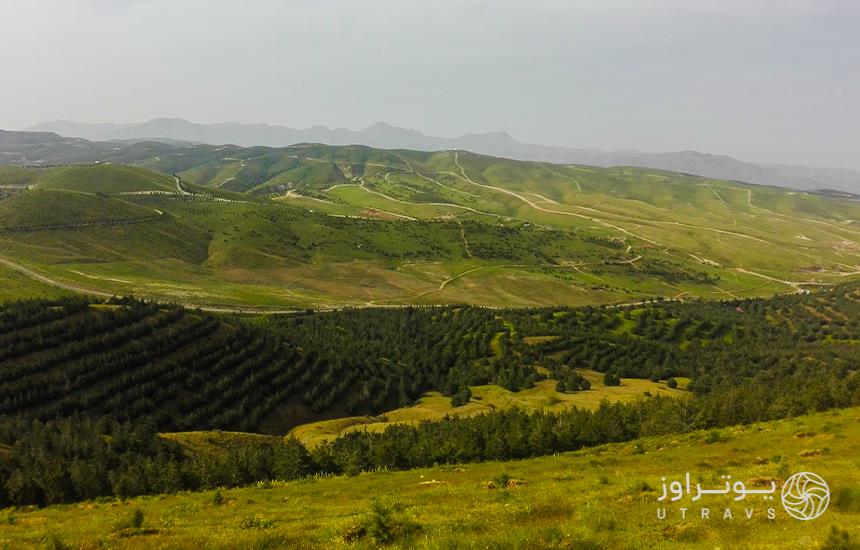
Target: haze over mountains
(498,144)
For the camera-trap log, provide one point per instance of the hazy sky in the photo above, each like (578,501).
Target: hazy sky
(769,80)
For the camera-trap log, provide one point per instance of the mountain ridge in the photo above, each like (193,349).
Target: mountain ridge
(500,144)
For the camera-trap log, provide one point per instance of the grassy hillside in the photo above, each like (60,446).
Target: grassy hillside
(39,209)
(13,176)
(105,178)
(605,497)
(320,226)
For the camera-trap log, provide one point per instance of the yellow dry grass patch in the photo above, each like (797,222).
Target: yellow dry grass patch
(487,398)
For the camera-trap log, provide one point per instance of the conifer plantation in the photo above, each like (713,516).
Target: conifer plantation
(87,387)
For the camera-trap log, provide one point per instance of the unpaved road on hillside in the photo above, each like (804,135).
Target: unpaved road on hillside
(542,209)
(48,281)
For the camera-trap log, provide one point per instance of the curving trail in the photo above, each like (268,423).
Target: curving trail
(51,282)
(600,221)
(548,210)
(449,204)
(442,286)
(793,284)
(101,294)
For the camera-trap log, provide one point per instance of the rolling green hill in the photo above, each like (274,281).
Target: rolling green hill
(312,225)
(106,179)
(39,210)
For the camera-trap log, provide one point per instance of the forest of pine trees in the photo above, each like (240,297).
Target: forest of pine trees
(86,387)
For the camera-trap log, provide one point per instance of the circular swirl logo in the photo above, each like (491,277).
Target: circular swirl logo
(805,496)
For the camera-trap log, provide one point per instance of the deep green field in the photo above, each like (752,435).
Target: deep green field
(312,225)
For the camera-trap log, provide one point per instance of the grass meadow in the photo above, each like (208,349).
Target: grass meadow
(603,497)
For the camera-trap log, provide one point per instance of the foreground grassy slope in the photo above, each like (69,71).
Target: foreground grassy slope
(604,497)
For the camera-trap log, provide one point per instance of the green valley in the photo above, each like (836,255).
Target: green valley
(317,226)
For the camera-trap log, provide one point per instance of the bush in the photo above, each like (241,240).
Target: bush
(132,523)
(501,480)
(672,383)
(715,436)
(382,525)
(137,518)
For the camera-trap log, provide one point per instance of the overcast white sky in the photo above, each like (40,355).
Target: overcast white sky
(762,80)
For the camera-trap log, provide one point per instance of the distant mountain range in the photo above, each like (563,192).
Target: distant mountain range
(500,144)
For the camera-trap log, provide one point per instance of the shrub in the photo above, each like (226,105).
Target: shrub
(501,480)
(136,519)
(132,523)
(382,525)
(715,436)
